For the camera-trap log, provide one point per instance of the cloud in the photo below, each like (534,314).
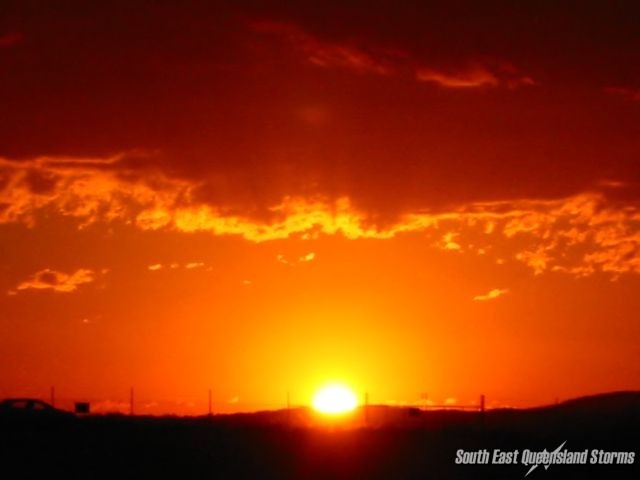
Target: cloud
(632,94)
(390,61)
(91,189)
(537,259)
(292,263)
(469,79)
(448,242)
(188,266)
(580,234)
(475,75)
(192,265)
(495,293)
(48,279)
(323,53)
(308,217)
(307,258)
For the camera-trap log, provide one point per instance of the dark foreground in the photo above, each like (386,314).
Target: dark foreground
(397,444)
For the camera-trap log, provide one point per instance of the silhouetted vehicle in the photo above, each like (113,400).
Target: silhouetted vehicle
(29,412)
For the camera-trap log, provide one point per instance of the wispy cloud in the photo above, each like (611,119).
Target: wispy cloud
(324,53)
(192,265)
(307,258)
(376,60)
(476,75)
(449,243)
(495,293)
(56,281)
(632,94)
(470,79)
(292,262)
(174,266)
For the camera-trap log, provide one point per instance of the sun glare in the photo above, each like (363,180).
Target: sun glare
(334,399)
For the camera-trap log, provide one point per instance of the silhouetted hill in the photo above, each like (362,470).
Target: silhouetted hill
(382,443)
(612,401)
(602,406)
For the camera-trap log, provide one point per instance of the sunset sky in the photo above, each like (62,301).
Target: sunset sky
(262,197)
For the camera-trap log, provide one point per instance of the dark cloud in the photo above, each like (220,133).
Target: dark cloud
(351,101)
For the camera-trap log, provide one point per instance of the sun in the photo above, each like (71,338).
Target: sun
(334,399)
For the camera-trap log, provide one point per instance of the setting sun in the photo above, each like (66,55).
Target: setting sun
(334,399)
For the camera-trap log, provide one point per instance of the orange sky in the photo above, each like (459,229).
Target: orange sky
(258,198)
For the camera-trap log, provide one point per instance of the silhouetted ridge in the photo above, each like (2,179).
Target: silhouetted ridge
(616,401)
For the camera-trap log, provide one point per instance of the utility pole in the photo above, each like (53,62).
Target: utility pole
(482,403)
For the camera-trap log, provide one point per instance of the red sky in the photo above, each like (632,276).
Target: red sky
(256,197)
